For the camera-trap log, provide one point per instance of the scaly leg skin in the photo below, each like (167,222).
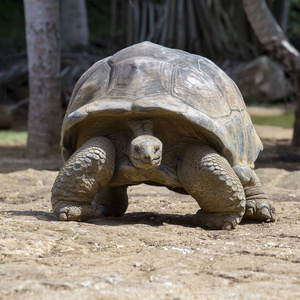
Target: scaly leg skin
(258,206)
(208,177)
(87,171)
(112,201)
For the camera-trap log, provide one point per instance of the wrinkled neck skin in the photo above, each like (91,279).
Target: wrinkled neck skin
(145,150)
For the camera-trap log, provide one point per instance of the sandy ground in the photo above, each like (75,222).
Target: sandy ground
(152,252)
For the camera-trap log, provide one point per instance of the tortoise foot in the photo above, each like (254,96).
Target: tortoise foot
(258,206)
(260,209)
(73,211)
(216,221)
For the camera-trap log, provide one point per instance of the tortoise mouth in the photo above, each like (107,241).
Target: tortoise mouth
(146,164)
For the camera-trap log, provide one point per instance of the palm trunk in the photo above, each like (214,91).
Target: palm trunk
(274,40)
(42,33)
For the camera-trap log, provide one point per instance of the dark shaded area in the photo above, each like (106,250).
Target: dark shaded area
(40,215)
(143,218)
(147,218)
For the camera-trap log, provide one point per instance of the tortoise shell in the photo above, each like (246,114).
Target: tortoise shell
(151,81)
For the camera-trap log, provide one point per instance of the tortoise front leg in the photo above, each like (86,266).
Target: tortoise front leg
(208,177)
(88,171)
(258,206)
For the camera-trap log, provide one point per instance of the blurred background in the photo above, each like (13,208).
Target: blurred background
(91,30)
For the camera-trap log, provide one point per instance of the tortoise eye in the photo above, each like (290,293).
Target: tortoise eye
(137,149)
(156,149)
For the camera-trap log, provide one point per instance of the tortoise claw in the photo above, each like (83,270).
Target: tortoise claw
(62,217)
(227,226)
(265,213)
(250,211)
(260,209)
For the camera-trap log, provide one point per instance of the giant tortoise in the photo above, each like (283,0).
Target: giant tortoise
(154,115)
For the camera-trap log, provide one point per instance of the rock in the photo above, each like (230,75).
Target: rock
(261,80)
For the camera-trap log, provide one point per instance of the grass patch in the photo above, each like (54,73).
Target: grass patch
(285,121)
(9,137)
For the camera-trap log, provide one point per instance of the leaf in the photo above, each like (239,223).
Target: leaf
(75,236)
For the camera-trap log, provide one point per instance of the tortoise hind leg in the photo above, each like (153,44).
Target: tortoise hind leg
(87,171)
(112,201)
(208,177)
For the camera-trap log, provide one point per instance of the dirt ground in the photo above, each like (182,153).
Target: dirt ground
(154,251)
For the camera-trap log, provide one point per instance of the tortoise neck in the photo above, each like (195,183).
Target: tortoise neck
(141,127)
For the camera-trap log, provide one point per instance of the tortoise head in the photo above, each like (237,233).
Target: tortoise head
(146,152)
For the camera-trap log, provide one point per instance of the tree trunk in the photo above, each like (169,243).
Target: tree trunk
(274,40)
(43,51)
(74,25)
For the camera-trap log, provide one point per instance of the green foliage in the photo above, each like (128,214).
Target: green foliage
(285,121)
